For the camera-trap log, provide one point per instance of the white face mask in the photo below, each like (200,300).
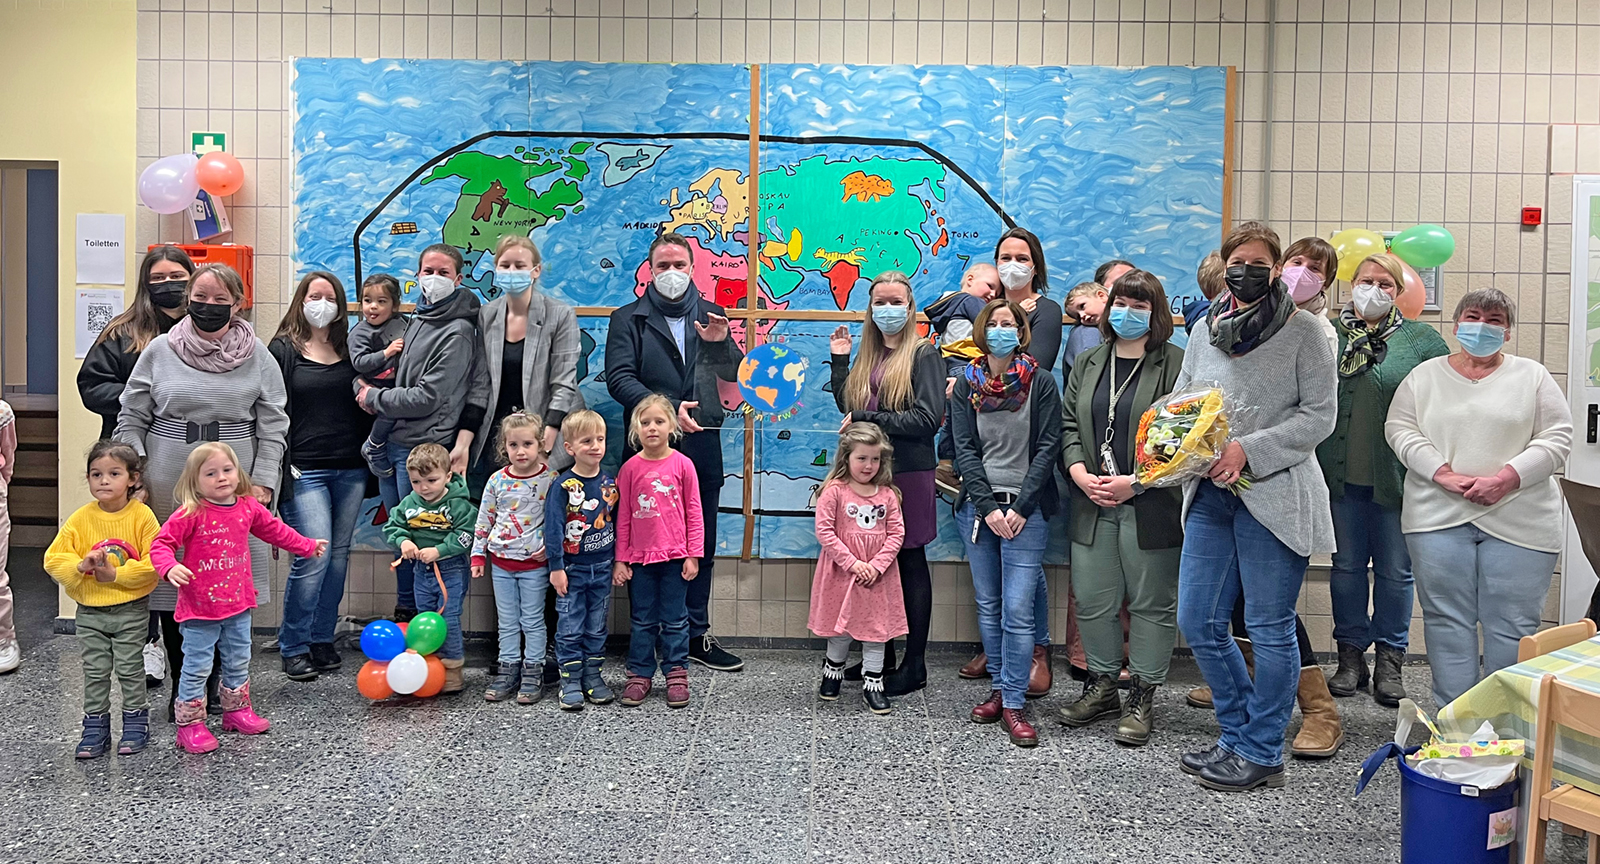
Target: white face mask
(436,287)
(1014,275)
(1370,300)
(672,283)
(321,312)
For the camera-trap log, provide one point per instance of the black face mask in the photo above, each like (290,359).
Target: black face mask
(210,317)
(168,295)
(1248,282)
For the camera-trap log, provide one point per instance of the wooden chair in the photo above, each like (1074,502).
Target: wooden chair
(1554,639)
(1566,706)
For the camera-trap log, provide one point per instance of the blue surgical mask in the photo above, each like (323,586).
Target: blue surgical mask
(891,319)
(1480,339)
(513,281)
(1002,340)
(1130,323)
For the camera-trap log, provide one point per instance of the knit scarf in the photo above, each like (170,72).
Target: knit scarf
(1238,330)
(1368,344)
(1004,392)
(238,342)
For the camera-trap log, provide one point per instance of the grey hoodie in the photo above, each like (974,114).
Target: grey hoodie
(435,369)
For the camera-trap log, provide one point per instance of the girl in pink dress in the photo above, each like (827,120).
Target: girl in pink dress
(855,594)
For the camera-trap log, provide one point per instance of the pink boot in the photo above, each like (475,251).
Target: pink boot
(193,736)
(236,713)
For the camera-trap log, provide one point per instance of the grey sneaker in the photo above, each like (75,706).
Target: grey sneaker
(1100,700)
(503,683)
(532,689)
(572,685)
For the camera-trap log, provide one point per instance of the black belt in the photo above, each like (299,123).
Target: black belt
(1005,499)
(192,433)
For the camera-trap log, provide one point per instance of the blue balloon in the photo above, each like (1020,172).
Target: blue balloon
(382,641)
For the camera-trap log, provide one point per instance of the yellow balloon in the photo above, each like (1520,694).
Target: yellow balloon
(1353,246)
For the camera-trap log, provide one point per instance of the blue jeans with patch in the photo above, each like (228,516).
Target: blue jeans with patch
(658,606)
(1005,581)
(1366,531)
(456,572)
(581,625)
(1227,552)
(228,639)
(325,505)
(519,612)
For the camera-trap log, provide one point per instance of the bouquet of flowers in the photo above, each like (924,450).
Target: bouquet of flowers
(1182,436)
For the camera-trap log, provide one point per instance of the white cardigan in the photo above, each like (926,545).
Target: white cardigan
(1517,416)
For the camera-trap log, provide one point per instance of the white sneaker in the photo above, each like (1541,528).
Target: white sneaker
(10,656)
(155,661)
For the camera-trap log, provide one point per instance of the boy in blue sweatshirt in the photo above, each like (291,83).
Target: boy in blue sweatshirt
(580,542)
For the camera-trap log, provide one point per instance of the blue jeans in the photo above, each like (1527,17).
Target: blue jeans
(1466,578)
(1005,580)
(229,639)
(1366,532)
(325,505)
(1226,552)
(456,572)
(657,599)
(399,486)
(581,627)
(519,612)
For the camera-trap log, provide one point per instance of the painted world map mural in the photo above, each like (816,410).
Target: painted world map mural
(859,169)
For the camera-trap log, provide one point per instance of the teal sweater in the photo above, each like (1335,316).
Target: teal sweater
(1413,343)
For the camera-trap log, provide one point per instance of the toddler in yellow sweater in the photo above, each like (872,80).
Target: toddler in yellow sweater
(101,559)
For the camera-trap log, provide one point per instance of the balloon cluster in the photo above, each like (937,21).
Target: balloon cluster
(400,658)
(171,183)
(1421,246)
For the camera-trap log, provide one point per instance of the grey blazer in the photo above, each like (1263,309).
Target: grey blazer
(549,363)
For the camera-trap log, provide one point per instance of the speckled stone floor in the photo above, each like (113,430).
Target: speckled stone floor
(755,770)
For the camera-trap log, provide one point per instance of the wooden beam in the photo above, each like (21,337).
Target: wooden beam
(752,329)
(1230,117)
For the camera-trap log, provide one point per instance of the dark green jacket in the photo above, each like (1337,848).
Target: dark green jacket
(1413,343)
(1156,512)
(446,523)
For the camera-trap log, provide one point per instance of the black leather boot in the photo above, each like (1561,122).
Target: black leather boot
(832,679)
(1352,673)
(1387,687)
(1236,774)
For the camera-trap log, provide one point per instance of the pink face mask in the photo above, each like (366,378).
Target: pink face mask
(1301,283)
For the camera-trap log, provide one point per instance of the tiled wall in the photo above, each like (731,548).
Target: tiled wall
(1353,113)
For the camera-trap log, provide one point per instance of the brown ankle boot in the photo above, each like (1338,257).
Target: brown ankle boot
(977,667)
(452,675)
(1320,734)
(1039,674)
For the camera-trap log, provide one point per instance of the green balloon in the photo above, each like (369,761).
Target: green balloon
(425,633)
(1423,246)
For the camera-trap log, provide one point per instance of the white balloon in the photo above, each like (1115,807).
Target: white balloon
(169,185)
(408,672)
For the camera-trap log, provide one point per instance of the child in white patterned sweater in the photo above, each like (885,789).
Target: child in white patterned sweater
(509,544)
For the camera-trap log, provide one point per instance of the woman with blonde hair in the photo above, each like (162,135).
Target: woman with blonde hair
(897,381)
(1378,348)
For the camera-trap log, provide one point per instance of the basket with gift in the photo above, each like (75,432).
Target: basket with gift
(1182,435)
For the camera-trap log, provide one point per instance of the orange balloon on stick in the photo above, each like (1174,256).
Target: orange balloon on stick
(373,680)
(1413,295)
(219,173)
(435,680)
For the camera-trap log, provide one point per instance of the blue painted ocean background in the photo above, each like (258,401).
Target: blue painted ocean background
(1099,162)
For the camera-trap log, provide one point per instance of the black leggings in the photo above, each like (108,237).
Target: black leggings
(1308,657)
(916,585)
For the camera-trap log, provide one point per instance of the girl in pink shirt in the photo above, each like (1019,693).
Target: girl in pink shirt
(212,526)
(660,532)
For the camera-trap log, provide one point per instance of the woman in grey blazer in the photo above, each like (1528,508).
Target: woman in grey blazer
(529,360)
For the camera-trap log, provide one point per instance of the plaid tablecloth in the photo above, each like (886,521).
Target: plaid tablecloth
(1509,700)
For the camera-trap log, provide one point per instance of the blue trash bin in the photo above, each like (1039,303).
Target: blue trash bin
(1443,822)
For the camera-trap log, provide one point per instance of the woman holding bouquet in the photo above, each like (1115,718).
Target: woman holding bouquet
(1126,539)
(1254,538)
(1378,348)
(1481,434)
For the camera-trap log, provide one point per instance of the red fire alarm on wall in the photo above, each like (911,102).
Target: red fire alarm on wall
(1531,215)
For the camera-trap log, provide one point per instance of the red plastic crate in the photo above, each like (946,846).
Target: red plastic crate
(240,258)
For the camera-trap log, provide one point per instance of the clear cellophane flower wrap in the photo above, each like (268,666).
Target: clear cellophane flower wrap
(1183,434)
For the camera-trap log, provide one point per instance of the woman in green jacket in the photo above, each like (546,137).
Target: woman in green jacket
(1378,348)
(1126,540)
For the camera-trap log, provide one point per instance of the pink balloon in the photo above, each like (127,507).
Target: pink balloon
(169,184)
(219,173)
(1414,295)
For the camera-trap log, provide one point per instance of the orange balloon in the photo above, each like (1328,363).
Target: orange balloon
(435,680)
(219,173)
(402,625)
(1414,295)
(373,680)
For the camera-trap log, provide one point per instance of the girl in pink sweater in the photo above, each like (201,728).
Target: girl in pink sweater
(660,531)
(855,594)
(212,526)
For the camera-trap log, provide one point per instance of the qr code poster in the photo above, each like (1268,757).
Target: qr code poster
(95,309)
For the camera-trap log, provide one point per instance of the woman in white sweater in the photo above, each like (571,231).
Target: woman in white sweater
(1481,434)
